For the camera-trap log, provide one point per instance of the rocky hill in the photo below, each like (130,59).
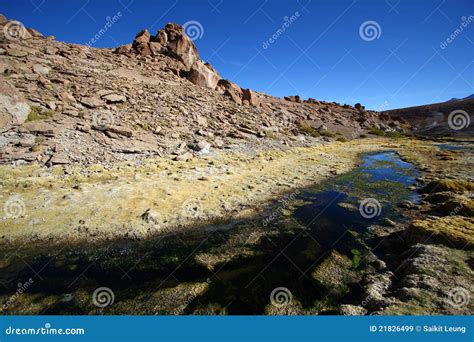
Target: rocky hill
(71,104)
(445,119)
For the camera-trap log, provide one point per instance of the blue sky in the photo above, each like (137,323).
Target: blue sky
(321,53)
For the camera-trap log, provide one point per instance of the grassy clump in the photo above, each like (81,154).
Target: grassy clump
(455,231)
(270,134)
(38,113)
(377,132)
(448,185)
(305,127)
(327,134)
(389,134)
(393,134)
(342,139)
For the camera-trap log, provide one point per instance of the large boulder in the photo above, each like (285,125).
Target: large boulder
(203,75)
(231,90)
(250,97)
(14,109)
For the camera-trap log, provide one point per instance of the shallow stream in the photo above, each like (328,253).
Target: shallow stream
(311,246)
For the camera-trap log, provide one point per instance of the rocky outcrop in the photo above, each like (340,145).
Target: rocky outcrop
(249,97)
(171,41)
(295,98)
(179,45)
(230,89)
(203,75)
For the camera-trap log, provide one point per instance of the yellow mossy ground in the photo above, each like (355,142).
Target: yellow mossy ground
(451,230)
(448,185)
(98,204)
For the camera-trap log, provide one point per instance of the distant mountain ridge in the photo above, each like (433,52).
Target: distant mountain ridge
(470,97)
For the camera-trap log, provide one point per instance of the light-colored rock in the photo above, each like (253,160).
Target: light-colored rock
(14,108)
(251,97)
(41,69)
(203,75)
(91,102)
(114,98)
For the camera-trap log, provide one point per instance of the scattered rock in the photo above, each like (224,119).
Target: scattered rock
(184,157)
(91,102)
(41,69)
(352,310)
(202,147)
(114,98)
(151,217)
